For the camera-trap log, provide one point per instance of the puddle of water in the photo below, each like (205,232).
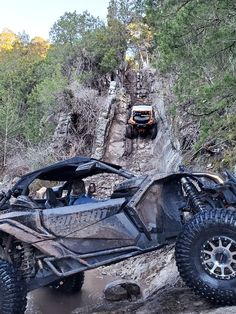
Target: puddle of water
(47,301)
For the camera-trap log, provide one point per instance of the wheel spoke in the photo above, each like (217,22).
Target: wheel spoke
(228,246)
(207,252)
(220,243)
(213,268)
(212,245)
(231,269)
(209,260)
(222,269)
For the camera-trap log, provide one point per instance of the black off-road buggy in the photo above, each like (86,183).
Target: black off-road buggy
(46,242)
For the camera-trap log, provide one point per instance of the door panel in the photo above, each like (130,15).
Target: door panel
(112,232)
(68,220)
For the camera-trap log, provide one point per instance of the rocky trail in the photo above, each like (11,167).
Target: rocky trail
(141,154)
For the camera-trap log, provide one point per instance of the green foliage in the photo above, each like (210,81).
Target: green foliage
(109,61)
(125,11)
(72,26)
(196,40)
(29,85)
(88,48)
(10,123)
(42,104)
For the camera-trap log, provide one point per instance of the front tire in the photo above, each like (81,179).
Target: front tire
(70,284)
(12,292)
(206,255)
(131,131)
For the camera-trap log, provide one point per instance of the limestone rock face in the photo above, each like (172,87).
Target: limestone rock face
(103,127)
(115,139)
(122,290)
(61,131)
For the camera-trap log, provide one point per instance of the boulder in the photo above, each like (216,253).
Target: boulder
(122,290)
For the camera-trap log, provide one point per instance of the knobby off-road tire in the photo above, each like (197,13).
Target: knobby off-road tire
(12,292)
(130,132)
(153,131)
(206,255)
(70,284)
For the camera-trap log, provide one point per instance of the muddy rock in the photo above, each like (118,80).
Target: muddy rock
(122,290)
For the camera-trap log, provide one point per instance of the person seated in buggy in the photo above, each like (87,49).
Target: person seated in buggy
(91,189)
(78,194)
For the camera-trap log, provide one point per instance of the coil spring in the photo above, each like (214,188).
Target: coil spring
(24,260)
(193,194)
(28,261)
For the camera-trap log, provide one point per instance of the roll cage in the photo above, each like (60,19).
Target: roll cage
(65,171)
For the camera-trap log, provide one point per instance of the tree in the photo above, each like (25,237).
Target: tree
(41,105)
(72,26)
(23,69)
(7,40)
(125,11)
(10,122)
(39,46)
(24,38)
(140,41)
(126,24)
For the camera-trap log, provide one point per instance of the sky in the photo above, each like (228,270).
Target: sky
(36,17)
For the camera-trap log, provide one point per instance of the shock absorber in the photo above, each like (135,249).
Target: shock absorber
(24,260)
(28,261)
(193,194)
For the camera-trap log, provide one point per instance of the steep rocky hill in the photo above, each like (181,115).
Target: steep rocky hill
(141,154)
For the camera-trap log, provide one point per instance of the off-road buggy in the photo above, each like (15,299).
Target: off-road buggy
(141,121)
(46,242)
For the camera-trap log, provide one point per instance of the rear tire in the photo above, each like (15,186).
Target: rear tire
(70,284)
(153,131)
(12,292)
(206,255)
